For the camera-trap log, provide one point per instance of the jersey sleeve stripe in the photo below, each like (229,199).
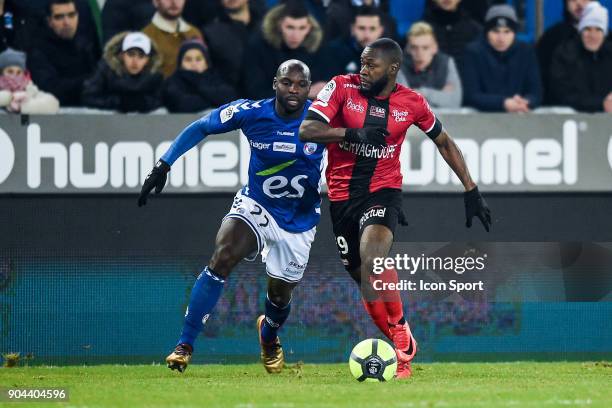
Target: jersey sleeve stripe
(432,125)
(320,113)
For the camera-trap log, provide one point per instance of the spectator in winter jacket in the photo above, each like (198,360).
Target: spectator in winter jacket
(343,55)
(127,78)
(555,36)
(429,71)
(288,32)
(60,60)
(168,31)
(237,22)
(195,85)
(581,69)
(453,27)
(18,94)
(500,73)
(341,13)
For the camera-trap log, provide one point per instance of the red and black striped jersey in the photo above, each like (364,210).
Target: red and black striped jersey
(357,169)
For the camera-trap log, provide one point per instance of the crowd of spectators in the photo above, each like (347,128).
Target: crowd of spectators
(192,55)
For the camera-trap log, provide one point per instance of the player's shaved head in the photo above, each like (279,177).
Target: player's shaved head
(389,50)
(293,65)
(291,84)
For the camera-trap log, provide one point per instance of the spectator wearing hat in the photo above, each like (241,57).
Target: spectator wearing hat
(500,73)
(555,36)
(581,69)
(429,71)
(60,60)
(453,27)
(168,31)
(18,94)
(195,85)
(127,78)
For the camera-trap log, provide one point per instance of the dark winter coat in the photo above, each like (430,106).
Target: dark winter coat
(188,91)
(125,15)
(227,40)
(489,77)
(580,78)
(552,38)
(113,88)
(341,56)
(61,66)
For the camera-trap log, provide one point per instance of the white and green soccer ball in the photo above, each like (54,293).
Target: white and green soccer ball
(373,360)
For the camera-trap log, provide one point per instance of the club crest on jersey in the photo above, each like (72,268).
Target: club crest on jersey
(377,111)
(399,116)
(357,107)
(310,148)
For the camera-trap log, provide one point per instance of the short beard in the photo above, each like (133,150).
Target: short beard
(376,88)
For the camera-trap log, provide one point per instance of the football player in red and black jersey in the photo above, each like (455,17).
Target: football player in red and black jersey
(363,119)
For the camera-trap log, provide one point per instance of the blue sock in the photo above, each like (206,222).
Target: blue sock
(275,317)
(204,295)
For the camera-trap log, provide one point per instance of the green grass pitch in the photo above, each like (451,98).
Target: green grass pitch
(523,384)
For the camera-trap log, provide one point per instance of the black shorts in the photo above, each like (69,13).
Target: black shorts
(350,217)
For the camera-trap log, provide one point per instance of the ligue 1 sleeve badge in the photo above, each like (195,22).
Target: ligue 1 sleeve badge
(310,148)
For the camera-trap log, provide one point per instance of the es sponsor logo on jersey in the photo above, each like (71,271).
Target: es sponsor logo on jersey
(283,147)
(310,148)
(377,111)
(374,212)
(327,91)
(259,145)
(281,186)
(399,116)
(355,106)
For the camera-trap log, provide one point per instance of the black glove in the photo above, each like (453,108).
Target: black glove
(156,178)
(373,136)
(475,205)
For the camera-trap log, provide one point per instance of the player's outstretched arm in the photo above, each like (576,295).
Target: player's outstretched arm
(189,137)
(312,130)
(475,204)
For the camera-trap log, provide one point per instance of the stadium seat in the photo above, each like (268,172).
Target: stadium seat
(608,4)
(405,16)
(528,33)
(553,13)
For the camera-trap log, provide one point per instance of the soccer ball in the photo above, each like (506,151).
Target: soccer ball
(373,360)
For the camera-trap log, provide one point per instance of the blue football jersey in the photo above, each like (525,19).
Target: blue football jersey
(284,173)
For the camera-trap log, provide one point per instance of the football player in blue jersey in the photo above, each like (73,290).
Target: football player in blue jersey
(275,214)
